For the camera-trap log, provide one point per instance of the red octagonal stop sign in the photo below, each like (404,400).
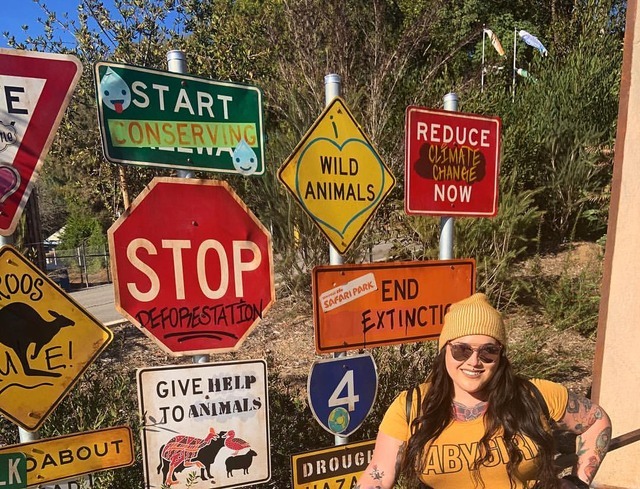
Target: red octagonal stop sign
(192,266)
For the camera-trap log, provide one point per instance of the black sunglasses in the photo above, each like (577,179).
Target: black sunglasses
(488,353)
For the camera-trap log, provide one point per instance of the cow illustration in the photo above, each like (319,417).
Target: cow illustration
(21,325)
(181,451)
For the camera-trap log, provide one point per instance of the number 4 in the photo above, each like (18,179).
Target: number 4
(350,399)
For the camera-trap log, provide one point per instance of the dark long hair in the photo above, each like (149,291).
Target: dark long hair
(512,406)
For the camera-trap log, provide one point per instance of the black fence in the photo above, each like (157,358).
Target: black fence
(79,267)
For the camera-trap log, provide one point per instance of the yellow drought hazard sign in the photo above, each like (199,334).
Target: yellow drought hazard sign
(329,468)
(47,341)
(74,455)
(337,176)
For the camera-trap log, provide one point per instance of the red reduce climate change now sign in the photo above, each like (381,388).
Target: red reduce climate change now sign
(192,266)
(452,162)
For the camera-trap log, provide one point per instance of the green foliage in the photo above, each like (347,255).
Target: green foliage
(498,243)
(572,300)
(532,358)
(82,229)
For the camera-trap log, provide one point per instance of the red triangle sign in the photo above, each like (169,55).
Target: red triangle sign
(35,89)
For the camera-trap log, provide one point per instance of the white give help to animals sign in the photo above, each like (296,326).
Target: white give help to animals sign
(205,425)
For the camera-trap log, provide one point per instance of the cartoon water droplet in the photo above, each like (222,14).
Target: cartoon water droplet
(9,182)
(115,91)
(244,158)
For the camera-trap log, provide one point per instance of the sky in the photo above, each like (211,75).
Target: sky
(27,12)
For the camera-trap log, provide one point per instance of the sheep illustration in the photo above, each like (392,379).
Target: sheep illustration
(240,462)
(22,325)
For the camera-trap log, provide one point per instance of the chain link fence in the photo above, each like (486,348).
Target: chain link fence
(79,267)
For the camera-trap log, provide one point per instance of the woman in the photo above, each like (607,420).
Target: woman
(480,425)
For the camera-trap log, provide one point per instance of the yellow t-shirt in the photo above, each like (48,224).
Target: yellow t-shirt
(451,456)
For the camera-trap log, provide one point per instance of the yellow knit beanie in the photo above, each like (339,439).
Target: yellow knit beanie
(473,315)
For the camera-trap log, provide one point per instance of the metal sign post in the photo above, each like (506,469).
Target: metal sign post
(177,63)
(332,89)
(447,223)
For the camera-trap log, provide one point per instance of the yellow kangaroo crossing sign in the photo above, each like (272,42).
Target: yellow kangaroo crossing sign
(47,341)
(337,176)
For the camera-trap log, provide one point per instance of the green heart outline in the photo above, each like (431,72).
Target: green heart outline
(340,147)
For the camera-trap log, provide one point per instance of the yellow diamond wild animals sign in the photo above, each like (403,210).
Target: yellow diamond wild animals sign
(337,176)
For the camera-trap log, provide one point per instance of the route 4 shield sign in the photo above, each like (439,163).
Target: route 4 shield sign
(342,392)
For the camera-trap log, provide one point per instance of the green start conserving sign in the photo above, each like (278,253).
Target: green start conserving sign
(172,120)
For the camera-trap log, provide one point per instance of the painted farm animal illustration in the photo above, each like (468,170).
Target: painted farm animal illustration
(206,456)
(238,462)
(182,450)
(234,443)
(21,325)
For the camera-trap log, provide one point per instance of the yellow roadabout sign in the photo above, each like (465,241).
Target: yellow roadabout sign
(47,341)
(337,176)
(69,456)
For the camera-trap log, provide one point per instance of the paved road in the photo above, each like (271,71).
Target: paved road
(99,301)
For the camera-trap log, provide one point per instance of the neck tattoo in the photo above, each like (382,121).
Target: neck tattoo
(465,413)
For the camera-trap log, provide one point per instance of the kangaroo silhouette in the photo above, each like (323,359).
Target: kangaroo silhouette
(21,325)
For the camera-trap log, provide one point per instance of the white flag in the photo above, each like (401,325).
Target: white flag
(533,41)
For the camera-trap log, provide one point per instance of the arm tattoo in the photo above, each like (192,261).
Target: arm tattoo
(602,445)
(581,413)
(376,474)
(585,419)
(602,442)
